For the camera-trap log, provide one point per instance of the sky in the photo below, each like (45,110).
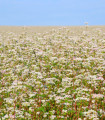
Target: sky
(52,12)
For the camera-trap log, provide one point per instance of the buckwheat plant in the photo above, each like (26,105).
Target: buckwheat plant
(54,75)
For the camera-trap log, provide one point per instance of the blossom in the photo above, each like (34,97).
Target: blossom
(78,59)
(52,117)
(26,104)
(79,119)
(97,96)
(9,100)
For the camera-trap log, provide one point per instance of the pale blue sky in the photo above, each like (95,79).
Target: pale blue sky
(52,12)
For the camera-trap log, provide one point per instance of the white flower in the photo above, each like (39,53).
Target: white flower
(57,101)
(52,117)
(31,109)
(38,113)
(32,101)
(91,114)
(43,101)
(5,117)
(95,118)
(79,119)
(61,90)
(9,100)
(66,103)
(101,111)
(78,59)
(97,96)
(31,95)
(64,111)
(26,104)
(81,98)
(40,53)
(53,58)
(53,111)
(44,115)
(61,116)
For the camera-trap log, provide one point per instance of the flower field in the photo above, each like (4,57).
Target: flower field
(54,75)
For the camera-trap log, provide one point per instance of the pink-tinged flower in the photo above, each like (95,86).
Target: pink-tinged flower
(100,78)
(12,116)
(3,71)
(97,96)
(77,59)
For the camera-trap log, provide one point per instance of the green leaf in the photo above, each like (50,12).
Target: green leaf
(81,114)
(41,109)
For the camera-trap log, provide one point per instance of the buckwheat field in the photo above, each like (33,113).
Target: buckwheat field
(52,73)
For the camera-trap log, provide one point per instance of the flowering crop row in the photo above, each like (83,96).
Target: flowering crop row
(57,75)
